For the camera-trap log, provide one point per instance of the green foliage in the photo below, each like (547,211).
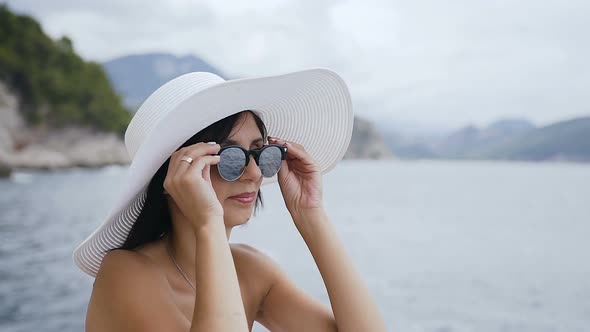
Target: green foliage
(55,85)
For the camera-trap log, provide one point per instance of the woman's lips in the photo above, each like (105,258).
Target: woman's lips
(245,198)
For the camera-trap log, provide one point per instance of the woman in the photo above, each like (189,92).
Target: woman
(162,260)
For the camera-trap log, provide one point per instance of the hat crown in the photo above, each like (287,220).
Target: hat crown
(161,102)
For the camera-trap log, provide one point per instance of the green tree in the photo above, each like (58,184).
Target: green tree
(55,86)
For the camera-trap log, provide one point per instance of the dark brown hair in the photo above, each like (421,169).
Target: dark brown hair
(154,220)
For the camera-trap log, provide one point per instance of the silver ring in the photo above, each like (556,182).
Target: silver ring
(187,159)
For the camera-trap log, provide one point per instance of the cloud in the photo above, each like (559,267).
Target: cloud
(427,61)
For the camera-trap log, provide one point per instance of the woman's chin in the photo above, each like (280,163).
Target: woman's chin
(238,219)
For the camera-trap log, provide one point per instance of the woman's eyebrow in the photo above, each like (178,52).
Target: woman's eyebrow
(232,142)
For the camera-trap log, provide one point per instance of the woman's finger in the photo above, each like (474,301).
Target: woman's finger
(177,166)
(207,173)
(193,151)
(294,150)
(195,170)
(199,165)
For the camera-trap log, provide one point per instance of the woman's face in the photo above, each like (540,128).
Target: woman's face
(246,134)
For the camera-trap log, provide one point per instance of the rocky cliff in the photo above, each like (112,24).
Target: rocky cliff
(22,146)
(367,142)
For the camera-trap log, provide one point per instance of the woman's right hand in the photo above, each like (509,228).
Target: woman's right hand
(190,184)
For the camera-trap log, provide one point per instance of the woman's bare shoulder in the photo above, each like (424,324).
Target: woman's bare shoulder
(130,288)
(120,265)
(254,261)
(247,253)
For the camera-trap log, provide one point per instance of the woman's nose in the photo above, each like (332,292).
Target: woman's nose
(252,171)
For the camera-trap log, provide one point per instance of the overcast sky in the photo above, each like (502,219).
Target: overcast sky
(428,62)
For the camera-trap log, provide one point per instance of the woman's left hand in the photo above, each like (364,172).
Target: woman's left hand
(300,180)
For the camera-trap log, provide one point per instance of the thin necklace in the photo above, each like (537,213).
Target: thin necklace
(179,269)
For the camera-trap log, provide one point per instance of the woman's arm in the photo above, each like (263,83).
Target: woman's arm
(218,303)
(287,307)
(352,305)
(300,181)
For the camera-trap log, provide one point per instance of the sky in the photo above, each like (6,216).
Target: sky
(414,64)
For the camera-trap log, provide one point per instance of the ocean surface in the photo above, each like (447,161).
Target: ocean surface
(442,246)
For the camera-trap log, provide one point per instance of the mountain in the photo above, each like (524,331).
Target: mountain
(507,139)
(409,147)
(366,142)
(470,140)
(565,140)
(135,77)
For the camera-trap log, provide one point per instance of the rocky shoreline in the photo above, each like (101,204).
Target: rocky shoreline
(42,148)
(69,147)
(73,148)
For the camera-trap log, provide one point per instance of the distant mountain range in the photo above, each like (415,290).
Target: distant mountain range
(565,140)
(470,140)
(508,139)
(135,77)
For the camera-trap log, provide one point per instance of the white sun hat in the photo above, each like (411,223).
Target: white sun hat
(310,107)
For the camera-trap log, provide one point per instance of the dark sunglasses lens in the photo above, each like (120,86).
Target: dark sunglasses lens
(231,164)
(270,161)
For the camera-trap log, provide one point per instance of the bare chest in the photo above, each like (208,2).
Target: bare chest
(252,298)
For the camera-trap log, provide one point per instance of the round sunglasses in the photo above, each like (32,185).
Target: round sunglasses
(234,159)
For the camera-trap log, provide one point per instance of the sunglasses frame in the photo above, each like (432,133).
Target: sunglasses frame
(254,152)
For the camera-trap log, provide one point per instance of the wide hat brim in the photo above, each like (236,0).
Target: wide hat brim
(311,107)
